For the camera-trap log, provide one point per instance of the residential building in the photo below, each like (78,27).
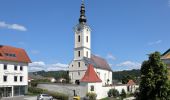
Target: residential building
(13,71)
(166,59)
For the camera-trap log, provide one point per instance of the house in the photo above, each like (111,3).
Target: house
(83,56)
(131,86)
(166,59)
(13,71)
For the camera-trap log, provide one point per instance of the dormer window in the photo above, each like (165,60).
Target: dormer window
(10,55)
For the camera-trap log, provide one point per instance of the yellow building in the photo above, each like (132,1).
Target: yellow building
(166,59)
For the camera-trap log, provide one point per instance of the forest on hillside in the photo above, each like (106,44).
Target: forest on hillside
(125,75)
(121,76)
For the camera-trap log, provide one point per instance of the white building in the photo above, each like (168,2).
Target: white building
(13,71)
(83,56)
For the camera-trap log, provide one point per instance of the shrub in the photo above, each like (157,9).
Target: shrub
(123,94)
(113,93)
(34,84)
(36,90)
(91,96)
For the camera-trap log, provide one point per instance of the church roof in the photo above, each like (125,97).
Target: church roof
(97,62)
(8,53)
(90,75)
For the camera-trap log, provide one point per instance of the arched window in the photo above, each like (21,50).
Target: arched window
(92,88)
(78,38)
(79,53)
(79,64)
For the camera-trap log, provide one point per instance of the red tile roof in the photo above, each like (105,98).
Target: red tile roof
(8,53)
(90,75)
(131,82)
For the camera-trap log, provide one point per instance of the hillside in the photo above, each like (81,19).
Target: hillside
(131,74)
(55,74)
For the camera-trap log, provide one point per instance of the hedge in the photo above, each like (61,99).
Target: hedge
(55,95)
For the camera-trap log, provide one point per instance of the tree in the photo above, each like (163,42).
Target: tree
(123,94)
(154,81)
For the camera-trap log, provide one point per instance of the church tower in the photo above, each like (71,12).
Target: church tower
(82,54)
(82,46)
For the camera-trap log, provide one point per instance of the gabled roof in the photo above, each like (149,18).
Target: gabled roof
(90,75)
(130,82)
(8,53)
(97,62)
(166,55)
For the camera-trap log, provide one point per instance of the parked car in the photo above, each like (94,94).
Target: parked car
(44,97)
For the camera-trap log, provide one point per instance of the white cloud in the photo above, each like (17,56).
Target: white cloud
(40,65)
(12,26)
(128,65)
(110,56)
(155,42)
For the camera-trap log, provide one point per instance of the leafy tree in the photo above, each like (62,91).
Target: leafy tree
(154,81)
(123,94)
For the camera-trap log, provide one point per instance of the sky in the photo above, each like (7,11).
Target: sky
(123,31)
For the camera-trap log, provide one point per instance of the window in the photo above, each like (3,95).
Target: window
(21,78)
(15,78)
(15,67)
(10,55)
(21,68)
(92,88)
(87,39)
(79,73)
(5,78)
(79,64)
(87,54)
(79,38)
(79,53)
(5,67)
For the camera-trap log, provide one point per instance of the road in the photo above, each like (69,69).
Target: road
(21,98)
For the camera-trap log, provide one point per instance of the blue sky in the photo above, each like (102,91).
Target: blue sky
(123,31)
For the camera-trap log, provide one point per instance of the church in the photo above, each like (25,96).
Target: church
(83,57)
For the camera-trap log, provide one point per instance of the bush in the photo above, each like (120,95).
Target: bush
(34,84)
(55,95)
(123,94)
(36,90)
(113,93)
(91,96)
(59,96)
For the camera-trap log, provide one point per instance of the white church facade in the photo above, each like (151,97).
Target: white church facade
(88,70)
(83,56)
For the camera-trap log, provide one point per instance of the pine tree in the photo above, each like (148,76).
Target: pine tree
(154,81)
